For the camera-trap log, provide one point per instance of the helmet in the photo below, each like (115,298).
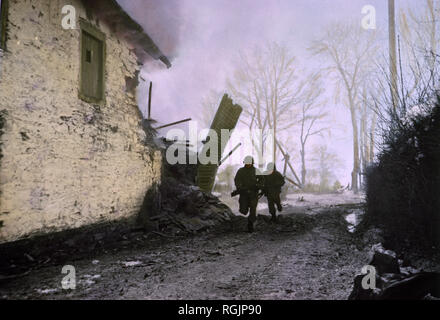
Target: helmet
(248,160)
(270,166)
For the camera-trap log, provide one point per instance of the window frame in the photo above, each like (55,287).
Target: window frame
(86,27)
(4,6)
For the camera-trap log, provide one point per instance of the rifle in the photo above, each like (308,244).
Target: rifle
(237,192)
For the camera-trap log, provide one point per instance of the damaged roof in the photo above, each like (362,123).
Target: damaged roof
(124,26)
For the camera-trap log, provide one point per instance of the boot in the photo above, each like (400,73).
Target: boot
(250,227)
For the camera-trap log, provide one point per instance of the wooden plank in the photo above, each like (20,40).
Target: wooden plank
(149,99)
(226,117)
(288,162)
(229,154)
(173,123)
(292,182)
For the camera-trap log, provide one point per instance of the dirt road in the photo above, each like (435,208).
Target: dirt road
(306,255)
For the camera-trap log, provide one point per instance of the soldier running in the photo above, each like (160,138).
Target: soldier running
(273,181)
(247,184)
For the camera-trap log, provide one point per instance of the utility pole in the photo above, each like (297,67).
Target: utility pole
(393,52)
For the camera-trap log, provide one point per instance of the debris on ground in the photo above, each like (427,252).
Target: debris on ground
(301,256)
(182,207)
(395,280)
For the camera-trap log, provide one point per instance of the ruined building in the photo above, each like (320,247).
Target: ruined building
(72,145)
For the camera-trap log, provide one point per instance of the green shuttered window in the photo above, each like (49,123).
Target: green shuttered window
(92,87)
(3,23)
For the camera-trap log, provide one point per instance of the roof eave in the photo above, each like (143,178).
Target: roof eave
(122,24)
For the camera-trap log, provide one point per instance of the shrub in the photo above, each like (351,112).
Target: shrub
(403,187)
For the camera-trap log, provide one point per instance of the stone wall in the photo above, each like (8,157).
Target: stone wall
(66,163)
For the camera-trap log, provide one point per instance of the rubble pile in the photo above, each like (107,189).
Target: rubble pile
(185,208)
(182,207)
(396,280)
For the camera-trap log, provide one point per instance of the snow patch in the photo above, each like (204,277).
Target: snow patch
(46,291)
(132,263)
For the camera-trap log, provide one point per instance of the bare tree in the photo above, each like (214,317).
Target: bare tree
(325,166)
(312,117)
(267,86)
(420,33)
(418,64)
(368,119)
(348,49)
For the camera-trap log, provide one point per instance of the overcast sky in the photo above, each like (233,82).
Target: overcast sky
(202,39)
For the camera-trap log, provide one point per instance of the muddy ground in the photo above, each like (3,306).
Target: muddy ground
(307,254)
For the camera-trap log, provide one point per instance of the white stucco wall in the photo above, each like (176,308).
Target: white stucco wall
(66,163)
